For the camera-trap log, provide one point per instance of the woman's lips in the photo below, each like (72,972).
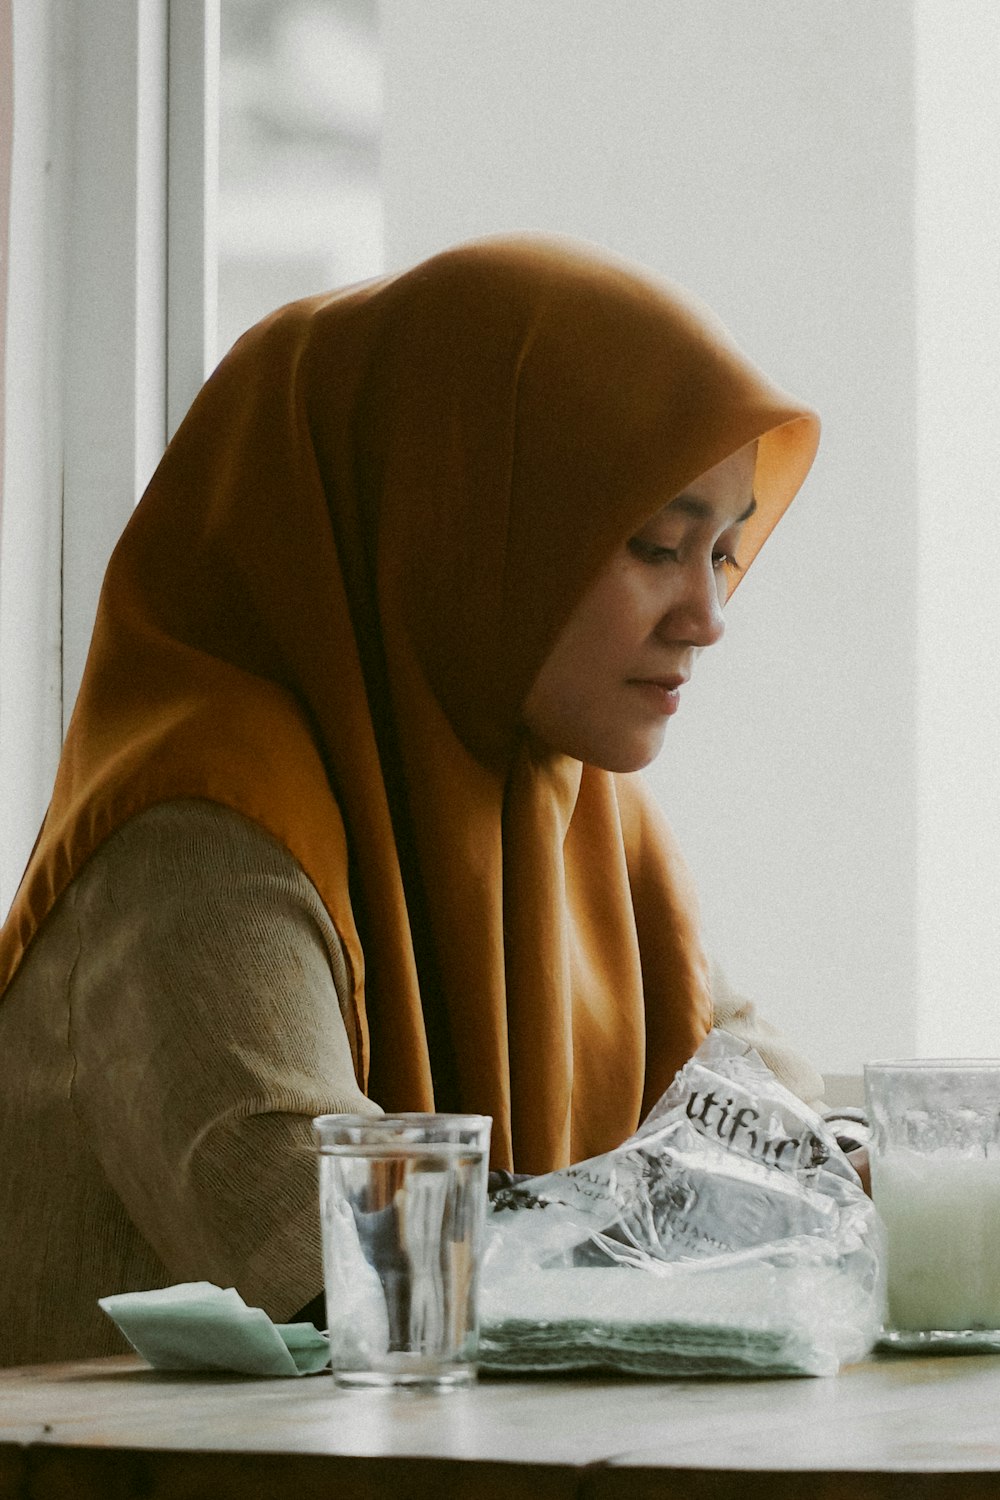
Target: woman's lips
(663,692)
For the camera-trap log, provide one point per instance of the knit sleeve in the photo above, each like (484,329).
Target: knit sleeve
(734,1013)
(207,1029)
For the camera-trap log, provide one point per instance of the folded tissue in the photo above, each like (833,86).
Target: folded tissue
(198,1326)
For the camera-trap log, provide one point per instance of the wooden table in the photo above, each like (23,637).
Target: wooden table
(107,1429)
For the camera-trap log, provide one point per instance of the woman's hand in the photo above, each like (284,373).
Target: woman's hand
(859,1161)
(852,1130)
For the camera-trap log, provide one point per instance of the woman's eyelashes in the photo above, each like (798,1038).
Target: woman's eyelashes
(655,552)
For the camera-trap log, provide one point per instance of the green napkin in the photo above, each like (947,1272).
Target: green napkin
(198,1326)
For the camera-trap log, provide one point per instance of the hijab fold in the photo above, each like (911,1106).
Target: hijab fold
(326,613)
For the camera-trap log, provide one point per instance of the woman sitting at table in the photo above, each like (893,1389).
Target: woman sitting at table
(345,818)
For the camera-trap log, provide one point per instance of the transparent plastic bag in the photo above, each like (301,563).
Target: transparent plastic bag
(729,1236)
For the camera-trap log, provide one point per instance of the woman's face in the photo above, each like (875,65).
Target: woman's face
(612,681)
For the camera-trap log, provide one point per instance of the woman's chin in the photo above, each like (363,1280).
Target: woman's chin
(633,754)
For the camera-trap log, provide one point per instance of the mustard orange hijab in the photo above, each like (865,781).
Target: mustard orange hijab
(326,612)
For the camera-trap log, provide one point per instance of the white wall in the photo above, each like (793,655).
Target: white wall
(769,165)
(958,280)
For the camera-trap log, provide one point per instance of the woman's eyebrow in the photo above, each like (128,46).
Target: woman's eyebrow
(701,510)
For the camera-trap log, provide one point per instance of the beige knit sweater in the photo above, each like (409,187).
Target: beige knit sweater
(163,1049)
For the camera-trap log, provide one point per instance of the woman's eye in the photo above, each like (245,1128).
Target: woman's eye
(651,552)
(655,552)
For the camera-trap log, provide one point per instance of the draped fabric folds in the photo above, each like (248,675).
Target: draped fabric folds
(326,612)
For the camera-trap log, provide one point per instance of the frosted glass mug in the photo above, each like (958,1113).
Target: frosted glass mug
(935,1165)
(402,1208)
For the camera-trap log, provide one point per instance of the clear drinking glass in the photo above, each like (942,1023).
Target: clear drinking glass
(402,1204)
(935,1165)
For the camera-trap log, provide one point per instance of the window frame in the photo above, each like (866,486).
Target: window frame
(111,332)
(142,272)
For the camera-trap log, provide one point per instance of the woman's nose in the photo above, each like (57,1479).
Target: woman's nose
(696,616)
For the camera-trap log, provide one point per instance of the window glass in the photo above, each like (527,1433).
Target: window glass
(300,207)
